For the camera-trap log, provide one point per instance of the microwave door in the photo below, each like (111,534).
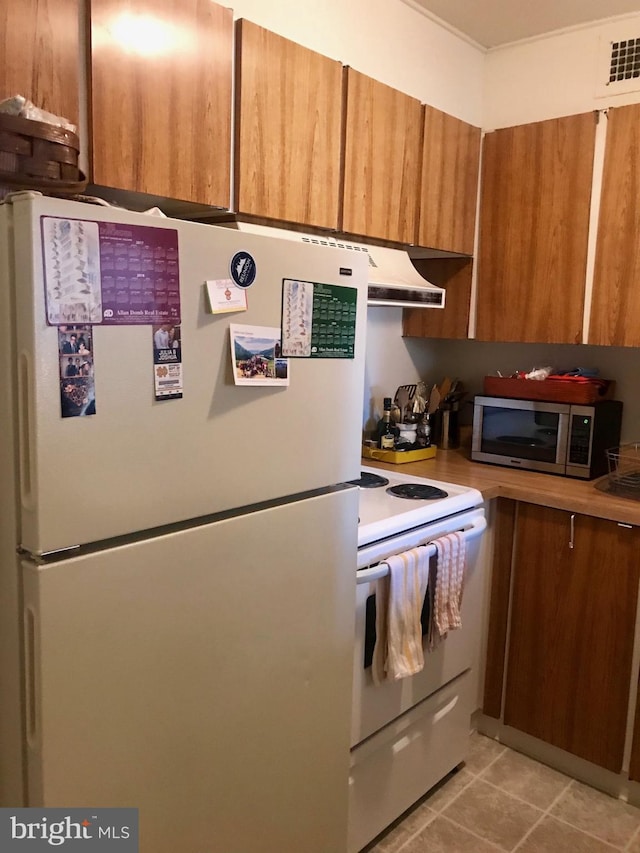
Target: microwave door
(521,433)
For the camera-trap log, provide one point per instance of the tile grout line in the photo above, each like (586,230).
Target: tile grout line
(471,832)
(438,813)
(633,838)
(586,832)
(562,820)
(521,799)
(545,813)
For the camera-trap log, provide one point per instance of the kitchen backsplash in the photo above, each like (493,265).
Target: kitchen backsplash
(393,360)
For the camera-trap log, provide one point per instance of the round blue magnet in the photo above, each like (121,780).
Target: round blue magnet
(243,269)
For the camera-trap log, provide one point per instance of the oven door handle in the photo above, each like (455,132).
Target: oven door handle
(381,569)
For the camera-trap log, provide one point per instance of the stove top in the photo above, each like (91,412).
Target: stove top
(369,480)
(382,513)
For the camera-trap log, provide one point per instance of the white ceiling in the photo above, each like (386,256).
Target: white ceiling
(495,22)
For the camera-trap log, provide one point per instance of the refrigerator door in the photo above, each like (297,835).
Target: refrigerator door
(138,463)
(11,758)
(203,677)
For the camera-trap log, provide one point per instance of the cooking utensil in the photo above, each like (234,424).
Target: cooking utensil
(434,400)
(445,387)
(402,399)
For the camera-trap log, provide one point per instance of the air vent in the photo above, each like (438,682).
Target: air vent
(625,60)
(618,67)
(335,245)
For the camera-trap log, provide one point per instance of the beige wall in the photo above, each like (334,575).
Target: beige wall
(558,75)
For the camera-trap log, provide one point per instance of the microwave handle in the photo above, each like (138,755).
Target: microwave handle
(381,569)
(564,425)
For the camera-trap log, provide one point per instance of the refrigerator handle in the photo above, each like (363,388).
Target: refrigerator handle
(26,425)
(31,691)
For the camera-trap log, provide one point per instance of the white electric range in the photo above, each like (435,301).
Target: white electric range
(408,734)
(392,502)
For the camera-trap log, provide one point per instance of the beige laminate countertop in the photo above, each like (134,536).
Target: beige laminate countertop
(455,466)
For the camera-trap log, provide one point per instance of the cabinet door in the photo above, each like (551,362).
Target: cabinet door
(615,307)
(452,321)
(161,98)
(448,199)
(288,129)
(382,160)
(534,221)
(572,630)
(39,50)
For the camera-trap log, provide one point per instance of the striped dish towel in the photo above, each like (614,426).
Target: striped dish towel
(399,599)
(446,585)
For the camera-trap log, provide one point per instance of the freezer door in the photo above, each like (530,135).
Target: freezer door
(203,677)
(139,463)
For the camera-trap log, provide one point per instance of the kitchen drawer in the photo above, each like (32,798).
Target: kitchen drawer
(400,763)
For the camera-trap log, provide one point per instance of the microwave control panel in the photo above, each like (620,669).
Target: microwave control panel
(580,440)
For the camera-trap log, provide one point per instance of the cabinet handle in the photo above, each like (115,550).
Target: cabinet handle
(573,528)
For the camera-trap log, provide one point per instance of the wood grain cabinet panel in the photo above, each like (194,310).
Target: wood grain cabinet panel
(288,129)
(534,222)
(504,527)
(39,50)
(615,307)
(161,74)
(382,160)
(448,198)
(452,321)
(572,628)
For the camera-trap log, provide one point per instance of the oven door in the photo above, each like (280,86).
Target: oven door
(520,433)
(374,706)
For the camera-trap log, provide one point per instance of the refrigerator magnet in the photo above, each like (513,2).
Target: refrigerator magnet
(318,320)
(109,272)
(167,362)
(75,365)
(243,269)
(223,296)
(256,355)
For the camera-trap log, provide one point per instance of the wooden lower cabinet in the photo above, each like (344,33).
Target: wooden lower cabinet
(573,610)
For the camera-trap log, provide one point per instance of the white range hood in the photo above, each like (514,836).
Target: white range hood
(393,279)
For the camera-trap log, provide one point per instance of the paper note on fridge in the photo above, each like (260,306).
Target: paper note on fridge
(223,296)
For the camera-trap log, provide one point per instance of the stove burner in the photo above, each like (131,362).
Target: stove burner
(369,481)
(416,492)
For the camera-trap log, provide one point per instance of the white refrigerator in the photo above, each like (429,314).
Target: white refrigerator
(177,576)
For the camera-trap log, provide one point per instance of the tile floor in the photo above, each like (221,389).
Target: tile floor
(501,800)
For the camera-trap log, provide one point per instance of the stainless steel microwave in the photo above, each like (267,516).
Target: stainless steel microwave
(559,438)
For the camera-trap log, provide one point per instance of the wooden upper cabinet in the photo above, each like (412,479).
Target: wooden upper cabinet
(383,148)
(161,74)
(452,321)
(288,129)
(534,223)
(39,54)
(615,306)
(573,612)
(450,167)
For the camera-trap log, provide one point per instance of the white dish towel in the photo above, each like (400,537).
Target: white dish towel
(399,599)
(447,586)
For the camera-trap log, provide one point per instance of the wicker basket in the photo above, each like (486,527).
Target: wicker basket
(624,470)
(39,156)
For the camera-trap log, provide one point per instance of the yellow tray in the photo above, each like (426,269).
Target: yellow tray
(398,457)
